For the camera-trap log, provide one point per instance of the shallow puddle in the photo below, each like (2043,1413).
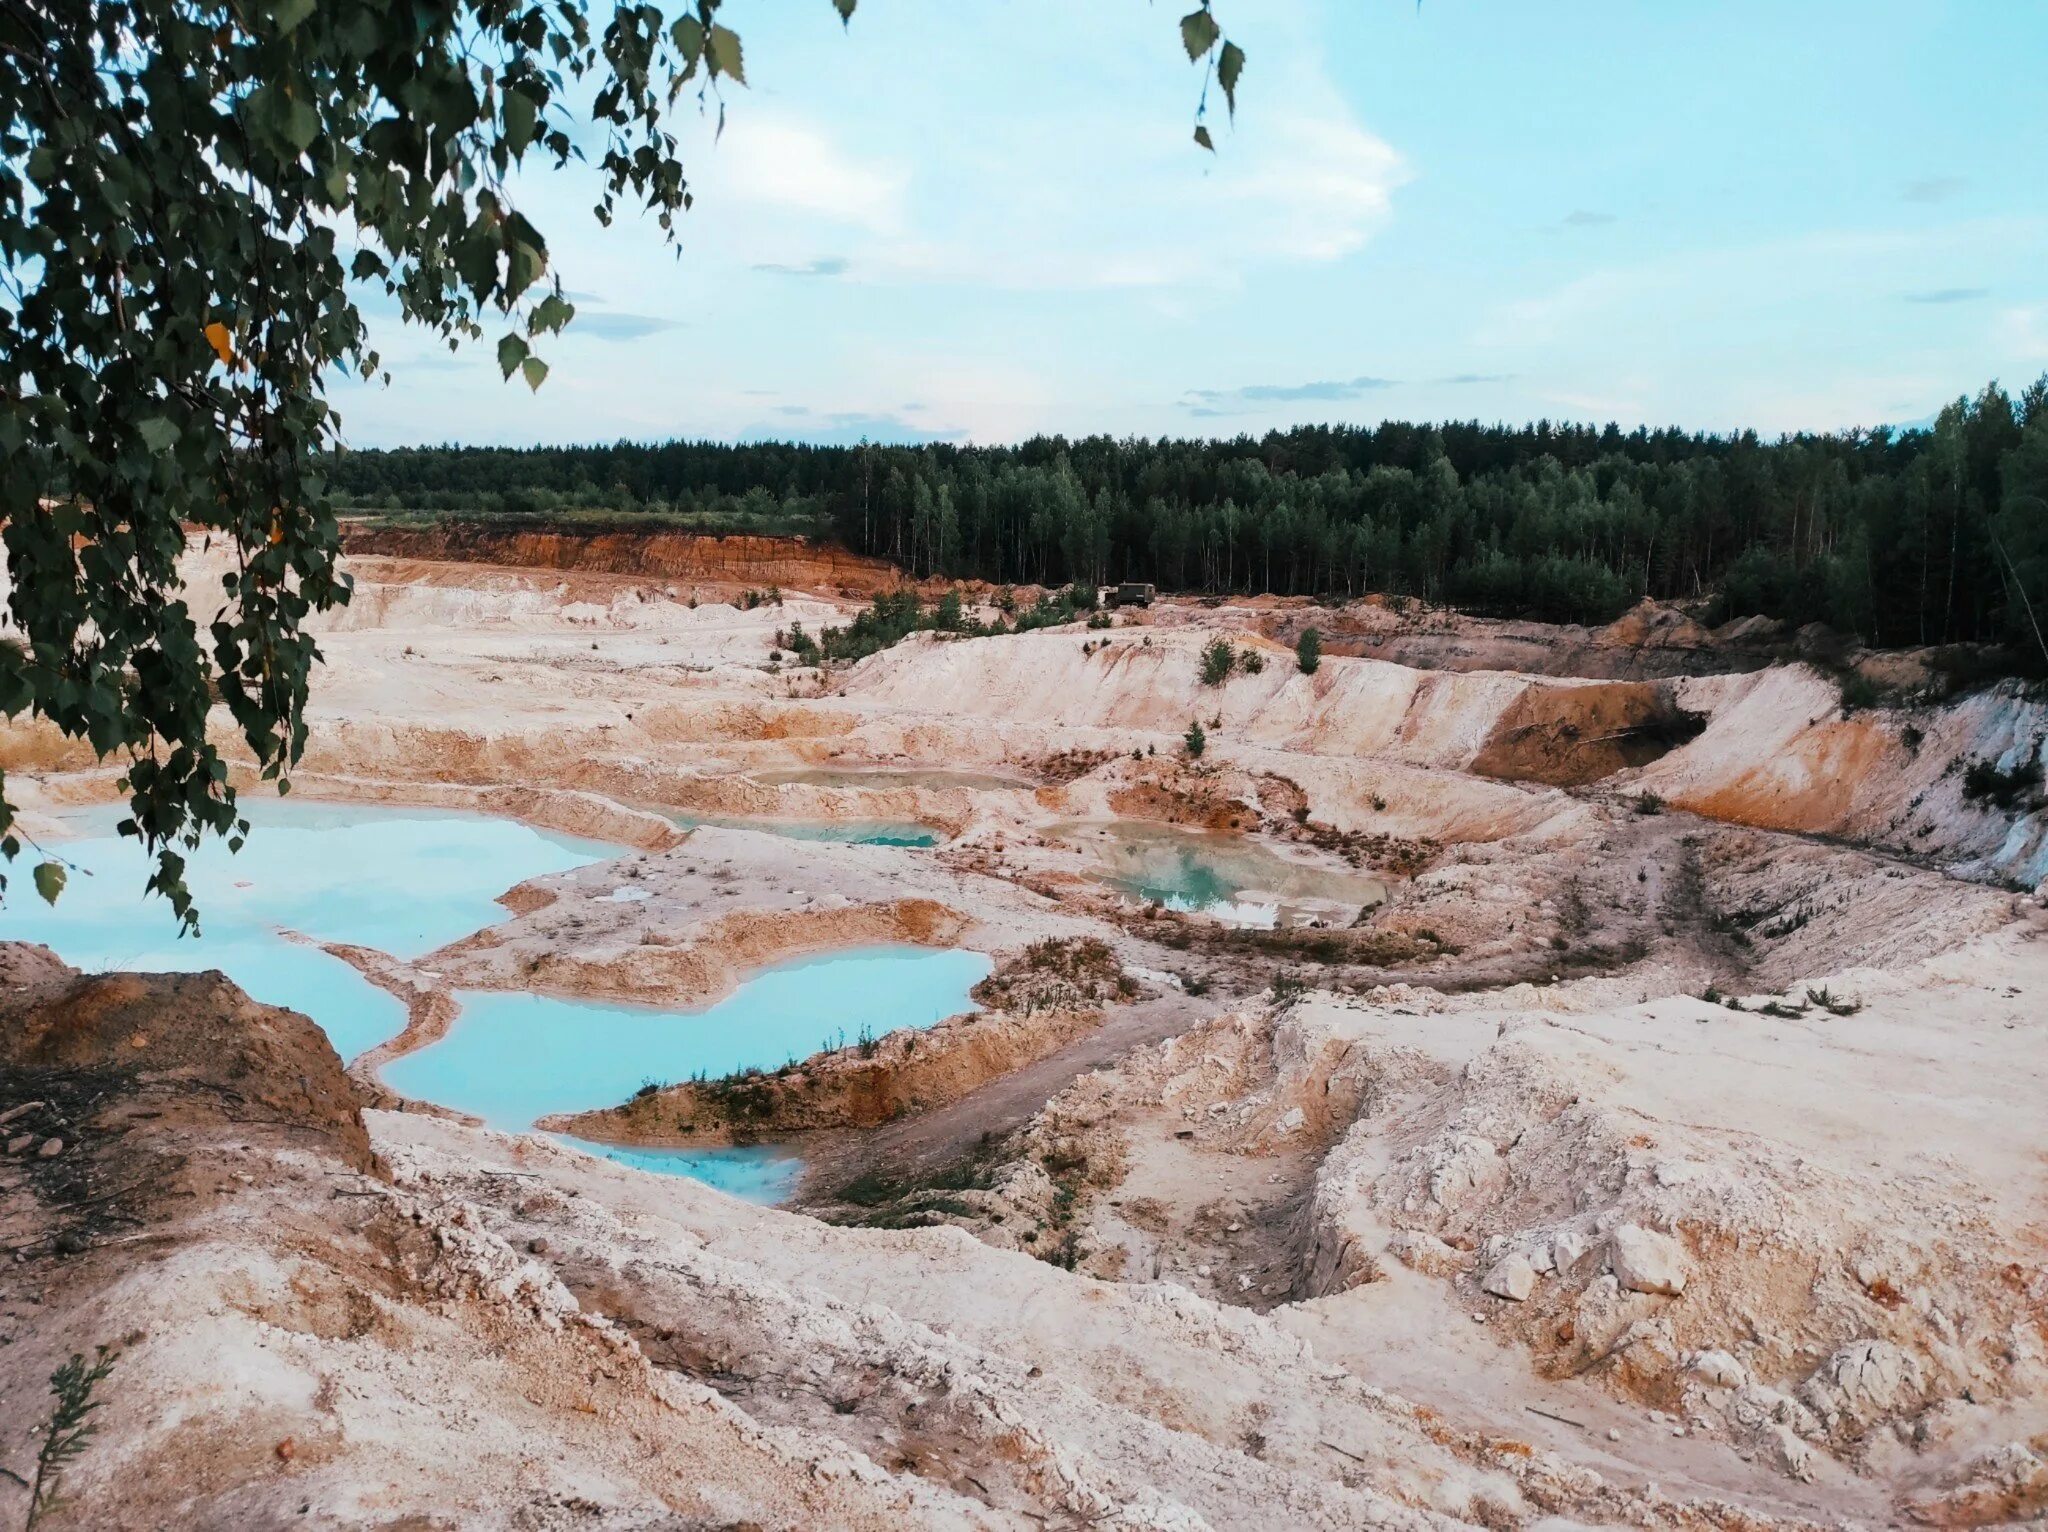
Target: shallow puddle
(852,832)
(513,1058)
(759,1174)
(1229,877)
(402,880)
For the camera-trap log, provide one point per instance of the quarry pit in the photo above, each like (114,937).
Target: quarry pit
(1508,1078)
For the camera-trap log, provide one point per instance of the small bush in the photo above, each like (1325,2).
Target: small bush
(1218,660)
(1308,651)
(1195,741)
(1834,1005)
(1649,803)
(800,644)
(1985,781)
(1251,662)
(1860,693)
(68,1430)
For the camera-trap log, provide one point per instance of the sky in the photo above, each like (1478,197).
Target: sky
(980,220)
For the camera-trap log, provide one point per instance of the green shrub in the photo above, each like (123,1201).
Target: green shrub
(800,644)
(1308,651)
(1860,693)
(1217,662)
(1985,781)
(1195,741)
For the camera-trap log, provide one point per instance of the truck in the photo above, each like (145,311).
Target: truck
(1133,593)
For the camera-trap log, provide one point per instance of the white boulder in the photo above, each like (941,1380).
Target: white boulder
(1719,1369)
(1513,1277)
(1645,1261)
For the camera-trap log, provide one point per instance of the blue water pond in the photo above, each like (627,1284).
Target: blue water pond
(406,881)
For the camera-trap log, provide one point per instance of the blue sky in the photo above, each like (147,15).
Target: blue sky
(981,219)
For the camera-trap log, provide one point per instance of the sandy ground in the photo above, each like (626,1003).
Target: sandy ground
(1664,1151)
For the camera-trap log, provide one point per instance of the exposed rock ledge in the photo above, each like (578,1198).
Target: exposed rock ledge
(859,1086)
(698,970)
(1039,1000)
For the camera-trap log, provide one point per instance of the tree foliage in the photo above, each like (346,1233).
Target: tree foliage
(1926,536)
(1308,651)
(197,199)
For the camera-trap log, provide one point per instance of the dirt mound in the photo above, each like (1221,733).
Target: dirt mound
(792,562)
(1651,624)
(1570,735)
(224,1054)
(25,963)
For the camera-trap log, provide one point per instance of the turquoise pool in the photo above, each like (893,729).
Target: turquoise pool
(404,881)
(853,832)
(513,1058)
(1230,877)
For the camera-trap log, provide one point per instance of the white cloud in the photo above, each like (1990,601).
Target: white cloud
(1066,165)
(1320,188)
(771,160)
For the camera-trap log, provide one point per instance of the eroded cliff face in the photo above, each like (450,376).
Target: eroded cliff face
(683,556)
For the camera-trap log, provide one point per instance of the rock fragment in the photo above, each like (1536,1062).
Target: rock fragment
(1719,1369)
(1512,1278)
(1645,1261)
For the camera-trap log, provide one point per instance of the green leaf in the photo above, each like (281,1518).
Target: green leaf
(845,8)
(512,350)
(300,124)
(1229,66)
(157,433)
(287,14)
(688,36)
(523,266)
(520,117)
(1202,138)
(49,880)
(550,314)
(1198,32)
(535,371)
(725,54)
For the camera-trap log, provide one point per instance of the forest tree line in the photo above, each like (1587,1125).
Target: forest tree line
(1927,536)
